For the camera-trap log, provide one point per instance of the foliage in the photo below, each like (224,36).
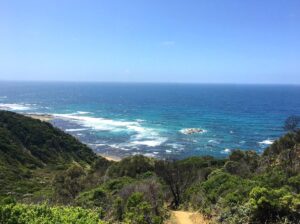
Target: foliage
(39,163)
(272,204)
(69,183)
(242,163)
(131,166)
(32,214)
(294,182)
(32,152)
(292,123)
(138,211)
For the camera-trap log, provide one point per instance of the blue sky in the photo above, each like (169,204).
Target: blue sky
(212,41)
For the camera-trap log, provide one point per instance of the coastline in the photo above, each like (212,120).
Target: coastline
(41,117)
(110,157)
(49,117)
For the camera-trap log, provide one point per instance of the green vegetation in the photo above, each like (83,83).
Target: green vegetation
(32,214)
(47,176)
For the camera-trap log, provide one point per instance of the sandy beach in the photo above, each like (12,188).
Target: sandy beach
(41,117)
(48,117)
(110,157)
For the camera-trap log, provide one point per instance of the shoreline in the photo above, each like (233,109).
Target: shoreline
(49,117)
(41,117)
(110,157)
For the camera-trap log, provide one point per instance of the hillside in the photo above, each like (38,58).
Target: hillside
(30,149)
(40,164)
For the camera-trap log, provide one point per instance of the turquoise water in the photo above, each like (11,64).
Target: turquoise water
(150,119)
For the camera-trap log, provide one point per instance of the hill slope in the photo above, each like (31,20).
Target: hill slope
(39,163)
(28,147)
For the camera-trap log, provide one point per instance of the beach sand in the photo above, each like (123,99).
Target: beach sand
(110,157)
(41,117)
(48,117)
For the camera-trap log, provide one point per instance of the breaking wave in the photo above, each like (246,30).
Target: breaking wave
(15,106)
(266,142)
(139,135)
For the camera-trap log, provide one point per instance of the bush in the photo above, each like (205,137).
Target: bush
(32,214)
(273,204)
(294,182)
(219,184)
(139,211)
(131,167)
(69,183)
(96,198)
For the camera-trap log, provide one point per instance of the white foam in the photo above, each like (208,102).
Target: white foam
(100,124)
(150,143)
(226,151)
(168,151)
(266,142)
(75,129)
(175,146)
(82,112)
(212,141)
(119,146)
(14,106)
(140,135)
(96,144)
(151,155)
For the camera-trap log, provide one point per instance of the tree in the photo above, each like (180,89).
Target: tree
(178,176)
(292,123)
(69,183)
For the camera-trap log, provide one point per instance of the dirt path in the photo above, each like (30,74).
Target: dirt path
(183,217)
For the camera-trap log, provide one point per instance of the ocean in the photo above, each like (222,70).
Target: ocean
(123,119)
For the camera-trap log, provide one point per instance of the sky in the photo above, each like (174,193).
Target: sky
(193,41)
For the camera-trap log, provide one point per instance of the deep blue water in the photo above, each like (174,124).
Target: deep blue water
(125,119)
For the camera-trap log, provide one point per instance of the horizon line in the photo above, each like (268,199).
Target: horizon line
(149,82)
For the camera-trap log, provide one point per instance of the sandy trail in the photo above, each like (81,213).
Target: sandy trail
(183,217)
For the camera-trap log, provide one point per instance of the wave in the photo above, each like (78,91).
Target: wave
(119,146)
(151,155)
(99,124)
(176,146)
(226,151)
(150,143)
(140,135)
(266,142)
(212,141)
(15,106)
(81,112)
(75,129)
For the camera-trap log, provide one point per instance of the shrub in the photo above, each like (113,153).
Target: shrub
(273,204)
(32,214)
(139,211)
(131,167)
(69,183)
